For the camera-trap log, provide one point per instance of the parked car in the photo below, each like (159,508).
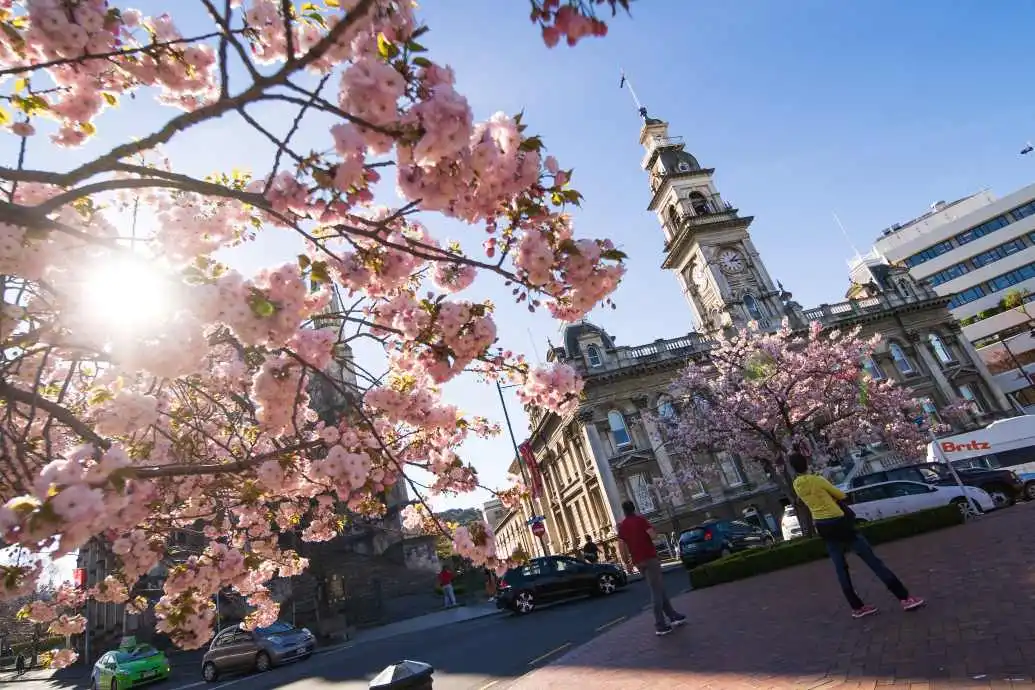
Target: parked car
(235,649)
(887,499)
(714,539)
(129,667)
(790,528)
(1004,486)
(553,578)
(664,548)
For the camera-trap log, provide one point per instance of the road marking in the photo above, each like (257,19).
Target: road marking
(616,621)
(488,685)
(192,685)
(536,660)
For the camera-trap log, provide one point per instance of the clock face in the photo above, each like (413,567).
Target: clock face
(730,261)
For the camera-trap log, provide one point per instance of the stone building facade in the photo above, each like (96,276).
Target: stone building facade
(610,450)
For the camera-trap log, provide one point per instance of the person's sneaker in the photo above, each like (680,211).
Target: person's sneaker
(864,611)
(677,620)
(912,603)
(662,630)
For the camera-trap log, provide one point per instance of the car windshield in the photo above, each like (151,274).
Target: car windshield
(278,628)
(143,651)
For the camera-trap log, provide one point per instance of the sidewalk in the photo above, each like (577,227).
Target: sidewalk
(791,629)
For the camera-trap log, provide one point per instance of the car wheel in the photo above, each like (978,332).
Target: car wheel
(725,552)
(963,505)
(262,662)
(209,672)
(1029,491)
(524,603)
(607,584)
(1000,496)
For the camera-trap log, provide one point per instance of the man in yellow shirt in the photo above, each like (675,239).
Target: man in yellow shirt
(836,525)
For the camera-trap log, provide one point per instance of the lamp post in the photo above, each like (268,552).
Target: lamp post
(520,461)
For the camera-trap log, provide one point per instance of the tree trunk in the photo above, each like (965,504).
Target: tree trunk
(786,484)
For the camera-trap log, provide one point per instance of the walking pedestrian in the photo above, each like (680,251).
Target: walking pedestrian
(590,551)
(19,666)
(445,581)
(636,545)
(835,523)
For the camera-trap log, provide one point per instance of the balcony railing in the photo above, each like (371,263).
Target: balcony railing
(832,314)
(661,143)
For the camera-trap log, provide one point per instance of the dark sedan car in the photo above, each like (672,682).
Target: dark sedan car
(553,578)
(237,650)
(714,539)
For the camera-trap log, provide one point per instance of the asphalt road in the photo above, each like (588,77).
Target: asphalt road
(484,653)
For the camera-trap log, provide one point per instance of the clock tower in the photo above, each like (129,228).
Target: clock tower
(707,243)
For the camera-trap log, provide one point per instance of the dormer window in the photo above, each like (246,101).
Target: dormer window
(683,167)
(593,357)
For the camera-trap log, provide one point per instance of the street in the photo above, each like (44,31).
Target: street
(488,652)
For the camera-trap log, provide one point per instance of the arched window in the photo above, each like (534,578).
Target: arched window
(673,215)
(666,410)
(902,363)
(618,429)
(593,356)
(699,204)
(873,369)
(752,306)
(942,352)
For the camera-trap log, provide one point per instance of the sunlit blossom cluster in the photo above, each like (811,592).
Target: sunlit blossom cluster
(199,412)
(761,396)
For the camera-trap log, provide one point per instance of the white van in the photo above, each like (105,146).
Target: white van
(1005,444)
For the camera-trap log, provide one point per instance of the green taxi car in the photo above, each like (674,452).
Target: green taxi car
(129,667)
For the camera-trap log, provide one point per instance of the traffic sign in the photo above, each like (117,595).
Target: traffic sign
(538,529)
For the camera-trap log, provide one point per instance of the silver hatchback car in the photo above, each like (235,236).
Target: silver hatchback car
(235,650)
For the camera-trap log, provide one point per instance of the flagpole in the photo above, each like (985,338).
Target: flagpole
(625,81)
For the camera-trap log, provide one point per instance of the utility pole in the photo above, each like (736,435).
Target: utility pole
(521,463)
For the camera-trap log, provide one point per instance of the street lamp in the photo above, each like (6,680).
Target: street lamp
(520,461)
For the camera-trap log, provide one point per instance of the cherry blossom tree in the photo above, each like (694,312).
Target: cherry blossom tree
(760,396)
(126,419)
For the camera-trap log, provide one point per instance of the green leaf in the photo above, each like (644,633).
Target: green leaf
(87,128)
(422,62)
(5,117)
(614,255)
(531,144)
(319,273)
(262,307)
(303,261)
(111,99)
(386,48)
(415,47)
(21,85)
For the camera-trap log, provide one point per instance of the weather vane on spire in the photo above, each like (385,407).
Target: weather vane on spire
(639,106)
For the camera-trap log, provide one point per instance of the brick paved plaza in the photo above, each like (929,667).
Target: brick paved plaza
(792,629)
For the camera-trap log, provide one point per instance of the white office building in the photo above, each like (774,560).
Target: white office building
(981,250)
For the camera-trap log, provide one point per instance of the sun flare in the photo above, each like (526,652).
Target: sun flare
(129,294)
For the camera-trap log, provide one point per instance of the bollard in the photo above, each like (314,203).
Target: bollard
(404,675)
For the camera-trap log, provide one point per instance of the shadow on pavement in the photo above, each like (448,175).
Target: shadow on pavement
(794,627)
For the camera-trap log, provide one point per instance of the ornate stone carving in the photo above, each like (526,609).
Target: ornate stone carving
(913,337)
(586,415)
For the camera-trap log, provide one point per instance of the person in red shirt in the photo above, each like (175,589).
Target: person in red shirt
(637,548)
(445,581)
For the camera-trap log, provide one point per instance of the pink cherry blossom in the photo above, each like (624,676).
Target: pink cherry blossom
(150,387)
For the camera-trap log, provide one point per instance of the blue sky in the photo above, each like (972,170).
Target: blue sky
(805,108)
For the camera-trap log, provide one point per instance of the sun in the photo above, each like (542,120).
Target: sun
(127,294)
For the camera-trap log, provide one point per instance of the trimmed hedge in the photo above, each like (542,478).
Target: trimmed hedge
(787,554)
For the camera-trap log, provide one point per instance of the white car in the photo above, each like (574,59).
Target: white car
(888,499)
(790,528)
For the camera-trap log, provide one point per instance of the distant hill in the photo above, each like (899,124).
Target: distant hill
(460,516)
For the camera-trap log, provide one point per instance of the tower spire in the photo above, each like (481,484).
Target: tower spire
(639,106)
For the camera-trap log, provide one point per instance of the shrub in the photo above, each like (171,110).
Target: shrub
(791,553)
